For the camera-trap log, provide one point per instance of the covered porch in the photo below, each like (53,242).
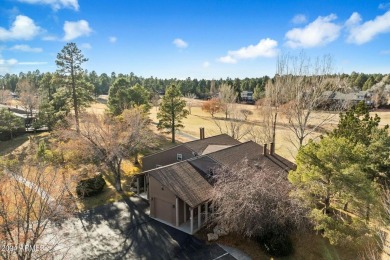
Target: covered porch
(141,186)
(190,220)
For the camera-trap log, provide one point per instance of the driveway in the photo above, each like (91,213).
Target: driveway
(122,230)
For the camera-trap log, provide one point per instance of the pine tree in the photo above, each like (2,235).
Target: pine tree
(172,111)
(69,62)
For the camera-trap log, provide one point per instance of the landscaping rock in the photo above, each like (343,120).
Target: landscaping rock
(220,231)
(91,186)
(212,237)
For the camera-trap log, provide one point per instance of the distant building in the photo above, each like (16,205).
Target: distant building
(345,100)
(247,96)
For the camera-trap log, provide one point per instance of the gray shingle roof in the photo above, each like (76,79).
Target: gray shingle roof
(254,153)
(187,179)
(185,182)
(199,146)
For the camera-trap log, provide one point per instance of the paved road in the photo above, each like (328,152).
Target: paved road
(123,230)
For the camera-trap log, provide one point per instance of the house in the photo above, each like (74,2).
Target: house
(345,100)
(247,96)
(180,193)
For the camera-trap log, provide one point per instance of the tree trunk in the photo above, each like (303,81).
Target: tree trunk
(327,201)
(115,167)
(301,141)
(118,185)
(173,135)
(346,206)
(274,129)
(136,162)
(75,104)
(368,212)
(173,122)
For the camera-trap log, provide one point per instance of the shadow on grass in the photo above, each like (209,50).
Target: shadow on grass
(108,195)
(10,145)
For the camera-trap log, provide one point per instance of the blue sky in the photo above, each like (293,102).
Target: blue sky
(197,39)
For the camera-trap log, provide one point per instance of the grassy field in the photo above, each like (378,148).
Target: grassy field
(283,146)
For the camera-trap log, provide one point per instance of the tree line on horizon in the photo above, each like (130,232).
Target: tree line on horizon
(202,88)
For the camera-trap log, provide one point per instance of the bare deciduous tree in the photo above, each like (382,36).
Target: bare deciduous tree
(254,201)
(297,91)
(228,98)
(213,88)
(5,96)
(28,96)
(190,98)
(235,125)
(113,139)
(245,113)
(211,106)
(379,97)
(270,105)
(306,94)
(33,198)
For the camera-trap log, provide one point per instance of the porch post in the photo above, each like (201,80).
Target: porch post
(177,211)
(137,185)
(185,211)
(192,220)
(199,216)
(145,184)
(206,208)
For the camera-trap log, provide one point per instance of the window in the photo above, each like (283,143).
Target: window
(179,157)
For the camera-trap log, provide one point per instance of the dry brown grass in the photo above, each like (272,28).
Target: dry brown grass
(284,146)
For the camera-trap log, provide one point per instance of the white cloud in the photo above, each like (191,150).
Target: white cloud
(384,6)
(353,20)
(86,46)
(25,48)
(112,39)
(317,33)
(77,29)
(227,59)
(362,33)
(50,38)
(55,4)
(299,19)
(179,43)
(31,63)
(265,48)
(23,28)
(8,62)
(206,64)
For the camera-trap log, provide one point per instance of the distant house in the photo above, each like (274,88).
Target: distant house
(179,188)
(247,96)
(345,100)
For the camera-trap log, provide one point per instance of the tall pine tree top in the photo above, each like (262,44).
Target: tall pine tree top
(172,111)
